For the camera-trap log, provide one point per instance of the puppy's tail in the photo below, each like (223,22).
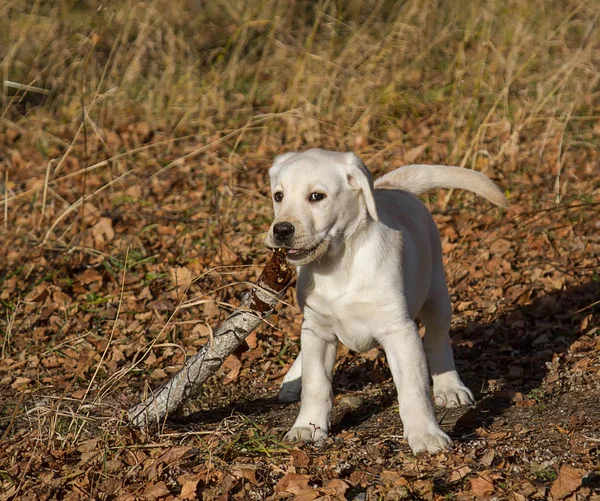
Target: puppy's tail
(418,179)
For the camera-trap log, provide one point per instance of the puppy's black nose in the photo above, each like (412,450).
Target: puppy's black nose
(283,231)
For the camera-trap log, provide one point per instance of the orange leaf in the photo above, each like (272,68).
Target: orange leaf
(292,483)
(568,480)
(482,485)
(188,490)
(233,364)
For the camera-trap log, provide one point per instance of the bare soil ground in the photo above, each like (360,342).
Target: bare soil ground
(131,227)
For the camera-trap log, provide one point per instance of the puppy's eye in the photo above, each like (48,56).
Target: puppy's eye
(278,196)
(316,197)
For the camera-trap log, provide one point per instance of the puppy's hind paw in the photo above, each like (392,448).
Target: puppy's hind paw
(305,434)
(290,391)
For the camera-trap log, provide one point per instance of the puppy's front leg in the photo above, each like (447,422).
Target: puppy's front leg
(406,356)
(318,360)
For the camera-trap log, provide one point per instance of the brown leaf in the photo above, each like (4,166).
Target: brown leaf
(292,483)
(144,131)
(300,458)
(488,458)
(232,365)
(308,495)
(88,445)
(114,465)
(358,477)
(188,490)
(89,276)
(155,491)
(134,191)
(12,134)
(459,473)
(336,487)
(9,489)
(181,277)
(500,247)
(61,299)
(391,476)
(482,485)
(103,232)
(568,480)
(174,454)
(251,340)
(158,374)
(225,256)
(39,293)
(424,488)
(20,383)
(247,471)
(88,457)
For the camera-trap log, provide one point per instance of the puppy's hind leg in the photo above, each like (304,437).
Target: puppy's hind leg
(291,387)
(436,314)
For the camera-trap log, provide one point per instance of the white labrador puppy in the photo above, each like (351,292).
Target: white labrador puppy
(370,263)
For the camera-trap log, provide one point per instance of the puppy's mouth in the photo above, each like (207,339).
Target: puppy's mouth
(298,257)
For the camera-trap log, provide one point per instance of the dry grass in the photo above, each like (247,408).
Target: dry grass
(354,70)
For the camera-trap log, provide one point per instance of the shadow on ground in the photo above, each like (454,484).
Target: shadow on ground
(515,352)
(518,350)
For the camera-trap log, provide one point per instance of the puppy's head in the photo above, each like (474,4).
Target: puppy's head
(320,198)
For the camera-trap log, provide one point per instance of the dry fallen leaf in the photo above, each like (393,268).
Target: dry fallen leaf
(292,483)
(252,341)
(500,247)
(232,365)
(173,454)
(188,490)
(336,487)
(567,482)
(300,458)
(488,458)
(247,471)
(308,495)
(482,485)
(228,256)
(459,473)
(39,293)
(103,232)
(181,277)
(88,446)
(20,383)
(155,491)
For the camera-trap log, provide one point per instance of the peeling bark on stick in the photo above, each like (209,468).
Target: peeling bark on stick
(187,383)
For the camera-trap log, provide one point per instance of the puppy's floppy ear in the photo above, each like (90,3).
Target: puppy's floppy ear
(278,163)
(360,178)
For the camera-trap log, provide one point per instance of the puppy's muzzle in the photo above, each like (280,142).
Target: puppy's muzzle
(283,232)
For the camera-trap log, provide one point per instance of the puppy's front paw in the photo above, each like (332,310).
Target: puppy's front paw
(305,434)
(453,395)
(429,438)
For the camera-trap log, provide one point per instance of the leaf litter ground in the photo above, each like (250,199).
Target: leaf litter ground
(104,296)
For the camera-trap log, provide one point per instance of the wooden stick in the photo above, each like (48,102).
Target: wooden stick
(187,383)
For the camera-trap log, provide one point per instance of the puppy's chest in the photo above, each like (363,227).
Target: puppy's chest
(354,316)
